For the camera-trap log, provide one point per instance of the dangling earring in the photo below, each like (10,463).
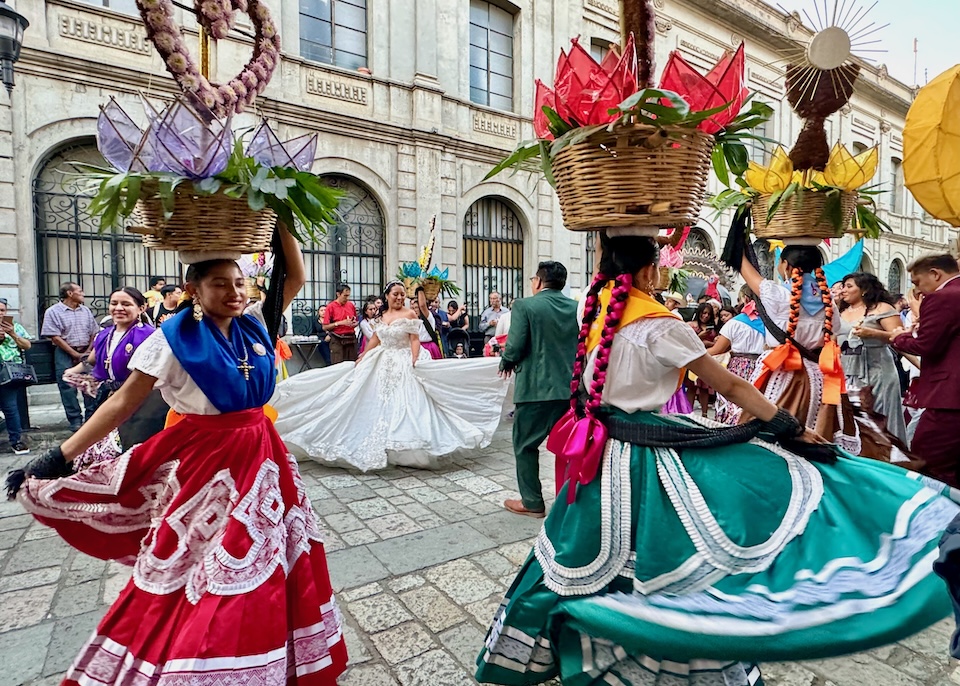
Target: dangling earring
(197,311)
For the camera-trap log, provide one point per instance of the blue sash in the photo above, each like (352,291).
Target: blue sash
(213,365)
(755,324)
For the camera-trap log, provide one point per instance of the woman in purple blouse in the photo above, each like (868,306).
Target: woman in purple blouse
(107,365)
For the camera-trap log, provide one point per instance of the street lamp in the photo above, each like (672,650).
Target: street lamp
(12,25)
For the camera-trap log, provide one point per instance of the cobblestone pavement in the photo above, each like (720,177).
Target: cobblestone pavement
(420,561)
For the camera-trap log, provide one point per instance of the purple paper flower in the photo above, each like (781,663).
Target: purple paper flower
(265,147)
(188,145)
(121,142)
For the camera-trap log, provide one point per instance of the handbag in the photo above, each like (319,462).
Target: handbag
(17,374)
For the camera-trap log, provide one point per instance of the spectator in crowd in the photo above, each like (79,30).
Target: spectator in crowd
(72,328)
(457,316)
(323,346)
(459,352)
(704,325)
(673,301)
(869,361)
(726,314)
(541,348)
(340,321)
(430,339)
(167,307)
(490,316)
(370,312)
(936,341)
(14,341)
(154,295)
(443,321)
(742,336)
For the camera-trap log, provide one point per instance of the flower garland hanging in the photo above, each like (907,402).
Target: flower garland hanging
(216,17)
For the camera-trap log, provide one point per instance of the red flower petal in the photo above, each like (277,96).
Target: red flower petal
(724,83)
(544,97)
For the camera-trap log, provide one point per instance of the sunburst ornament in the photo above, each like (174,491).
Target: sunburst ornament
(821,72)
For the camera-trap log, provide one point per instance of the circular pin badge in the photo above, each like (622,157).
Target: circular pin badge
(259,349)
(128,348)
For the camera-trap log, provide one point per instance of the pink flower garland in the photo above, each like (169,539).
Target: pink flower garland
(216,16)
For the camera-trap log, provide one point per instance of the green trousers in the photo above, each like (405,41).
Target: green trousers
(531,424)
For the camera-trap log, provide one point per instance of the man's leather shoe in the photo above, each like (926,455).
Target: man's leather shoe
(516,506)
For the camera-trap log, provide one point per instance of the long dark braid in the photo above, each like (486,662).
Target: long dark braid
(618,303)
(591,311)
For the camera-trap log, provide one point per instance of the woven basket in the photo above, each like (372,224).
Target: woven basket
(202,222)
(664,278)
(410,285)
(801,215)
(636,177)
(431,288)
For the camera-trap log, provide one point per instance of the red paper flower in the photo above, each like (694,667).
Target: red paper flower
(584,90)
(723,84)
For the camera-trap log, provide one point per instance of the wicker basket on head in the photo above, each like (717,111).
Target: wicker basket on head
(410,286)
(803,214)
(431,288)
(636,177)
(208,222)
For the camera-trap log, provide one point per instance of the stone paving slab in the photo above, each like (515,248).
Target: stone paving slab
(419,560)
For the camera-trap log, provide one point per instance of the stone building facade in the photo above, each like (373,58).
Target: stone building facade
(414,101)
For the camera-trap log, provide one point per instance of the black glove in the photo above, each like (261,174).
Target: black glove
(49,465)
(786,430)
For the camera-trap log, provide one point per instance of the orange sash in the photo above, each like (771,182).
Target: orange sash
(174,417)
(787,358)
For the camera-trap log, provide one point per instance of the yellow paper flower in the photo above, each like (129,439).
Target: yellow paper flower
(850,172)
(812,177)
(770,179)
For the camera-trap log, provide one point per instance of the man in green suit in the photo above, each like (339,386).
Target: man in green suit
(541,347)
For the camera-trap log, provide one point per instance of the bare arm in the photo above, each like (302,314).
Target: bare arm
(733,388)
(371,344)
(116,410)
(720,346)
(296,272)
(750,275)
(84,365)
(414,347)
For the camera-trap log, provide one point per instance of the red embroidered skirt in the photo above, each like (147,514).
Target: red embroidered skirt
(230,581)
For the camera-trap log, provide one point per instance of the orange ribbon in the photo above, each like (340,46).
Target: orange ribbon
(786,357)
(834,382)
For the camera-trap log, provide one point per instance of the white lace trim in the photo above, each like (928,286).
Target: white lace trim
(615,539)
(306,651)
(201,564)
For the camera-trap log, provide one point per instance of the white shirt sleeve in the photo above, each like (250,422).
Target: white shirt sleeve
(155,358)
(675,343)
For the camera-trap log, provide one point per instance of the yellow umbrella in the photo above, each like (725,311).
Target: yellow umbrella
(931,147)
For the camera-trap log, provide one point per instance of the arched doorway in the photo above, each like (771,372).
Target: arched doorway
(70,246)
(698,239)
(895,277)
(492,255)
(351,252)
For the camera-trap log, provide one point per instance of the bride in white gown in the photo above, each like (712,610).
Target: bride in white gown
(395,405)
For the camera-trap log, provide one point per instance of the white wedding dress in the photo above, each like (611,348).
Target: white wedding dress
(383,410)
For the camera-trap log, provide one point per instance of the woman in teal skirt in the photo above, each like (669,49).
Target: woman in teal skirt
(681,552)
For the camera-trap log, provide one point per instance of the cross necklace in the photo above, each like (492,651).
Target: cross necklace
(244,365)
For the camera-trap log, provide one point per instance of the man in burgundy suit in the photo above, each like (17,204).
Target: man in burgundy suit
(936,340)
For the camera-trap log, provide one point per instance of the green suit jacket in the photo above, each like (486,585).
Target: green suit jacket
(541,346)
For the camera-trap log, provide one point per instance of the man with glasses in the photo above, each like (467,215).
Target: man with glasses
(540,348)
(72,328)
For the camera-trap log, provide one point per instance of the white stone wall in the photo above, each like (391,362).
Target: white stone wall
(407,131)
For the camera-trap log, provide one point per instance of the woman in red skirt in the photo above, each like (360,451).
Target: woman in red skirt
(230,581)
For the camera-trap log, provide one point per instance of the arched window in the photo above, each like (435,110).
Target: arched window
(698,239)
(351,253)
(492,255)
(70,246)
(895,277)
(866,265)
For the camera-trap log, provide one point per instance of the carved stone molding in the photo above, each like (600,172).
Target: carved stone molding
(882,72)
(659,4)
(885,126)
(663,26)
(794,22)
